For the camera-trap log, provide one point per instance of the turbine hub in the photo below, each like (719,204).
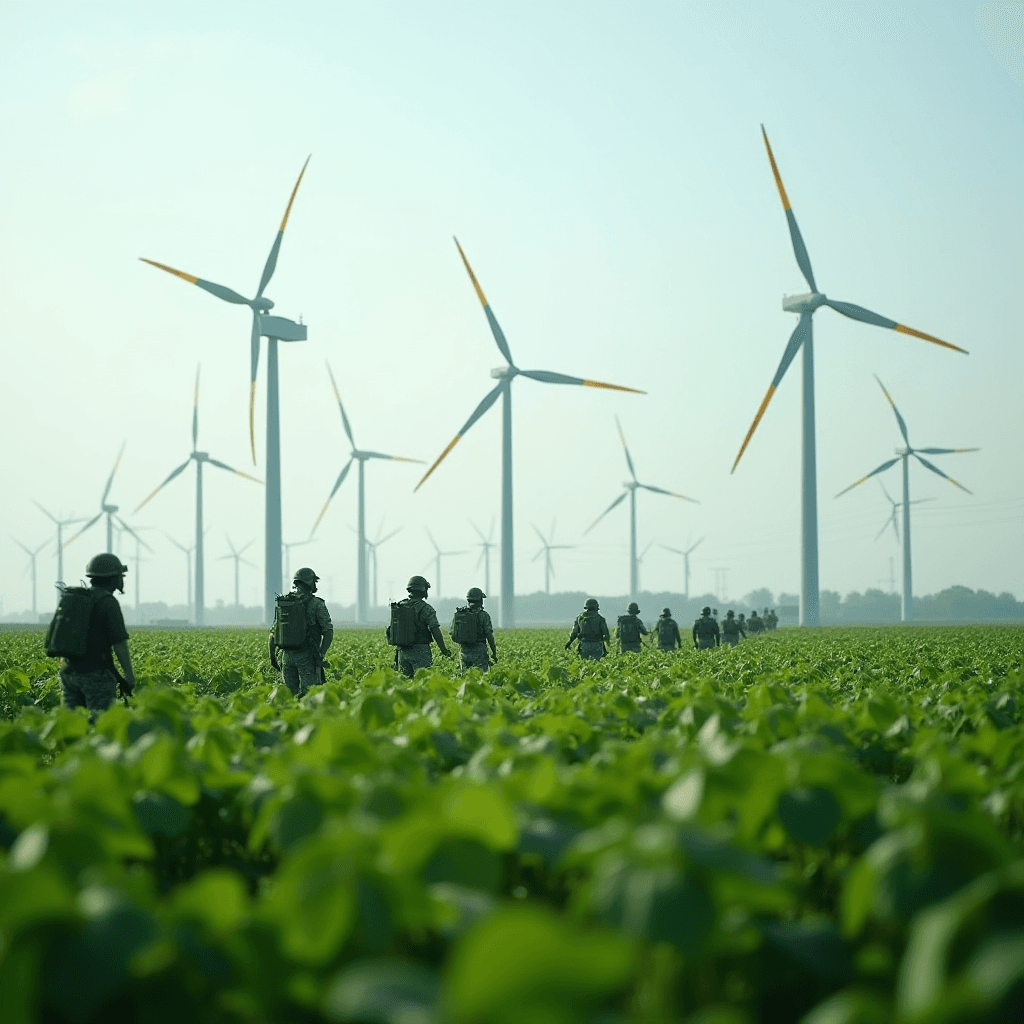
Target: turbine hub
(506,372)
(806,303)
(201,456)
(263,304)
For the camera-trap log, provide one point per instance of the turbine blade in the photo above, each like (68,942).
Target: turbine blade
(499,335)
(388,537)
(899,418)
(110,479)
(885,526)
(254,362)
(675,551)
(692,546)
(935,469)
(886,493)
(478,533)
(625,449)
(432,541)
(125,526)
(344,418)
(534,559)
(195,414)
(944,451)
(390,458)
(227,294)
(855,312)
(489,399)
(271,264)
(334,491)
(671,494)
(881,469)
(231,469)
(541,535)
(617,501)
(801,332)
(156,490)
(91,522)
(43,510)
(803,260)
(549,377)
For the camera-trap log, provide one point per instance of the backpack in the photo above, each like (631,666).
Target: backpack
(706,626)
(666,631)
(590,627)
(69,627)
(629,630)
(290,621)
(731,627)
(466,626)
(404,629)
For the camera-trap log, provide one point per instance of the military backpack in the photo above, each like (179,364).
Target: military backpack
(404,629)
(706,626)
(290,630)
(69,627)
(629,629)
(466,626)
(590,627)
(666,631)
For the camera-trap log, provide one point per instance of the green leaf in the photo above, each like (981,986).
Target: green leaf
(383,992)
(810,815)
(216,898)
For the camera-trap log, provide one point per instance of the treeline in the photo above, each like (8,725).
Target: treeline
(955,604)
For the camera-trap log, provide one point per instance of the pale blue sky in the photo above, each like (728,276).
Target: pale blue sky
(603,168)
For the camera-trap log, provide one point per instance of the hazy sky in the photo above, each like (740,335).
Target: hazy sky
(603,168)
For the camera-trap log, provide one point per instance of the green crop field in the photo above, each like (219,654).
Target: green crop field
(819,825)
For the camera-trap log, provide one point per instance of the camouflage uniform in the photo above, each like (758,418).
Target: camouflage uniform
(755,623)
(95,690)
(91,681)
(705,633)
(301,666)
(474,655)
(417,655)
(593,650)
(668,634)
(731,630)
(630,645)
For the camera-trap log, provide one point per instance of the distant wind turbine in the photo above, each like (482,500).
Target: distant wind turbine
(360,456)
(372,546)
(505,375)
(199,458)
(110,511)
(32,561)
(60,523)
(686,564)
(904,455)
(438,555)
(236,555)
(630,488)
(640,565)
(274,329)
(188,563)
(288,545)
(546,548)
(485,544)
(894,516)
(802,335)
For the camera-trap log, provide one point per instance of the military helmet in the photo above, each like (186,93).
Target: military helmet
(417,583)
(305,575)
(706,610)
(666,613)
(730,614)
(105,564)
(633,608)
(475,594)
(591,602)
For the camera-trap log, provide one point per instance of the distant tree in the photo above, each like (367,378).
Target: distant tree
(759,599)
(829,603)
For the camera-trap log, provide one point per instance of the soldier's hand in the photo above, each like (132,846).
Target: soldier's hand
(568,644)
(126,688)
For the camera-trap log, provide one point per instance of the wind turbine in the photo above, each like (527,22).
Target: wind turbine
(546,548)
(485,544)
(139,543)
(438,554)
(505,375)
(237,556)
(274,329)
(288,545)
(686,564)
(893,518)
(32,560)
(904,455)
(629,490)
(188,561)
(198,458)
(110,511)
(371,546)
(640,562)
(802,335)
(60,523)
(360,456)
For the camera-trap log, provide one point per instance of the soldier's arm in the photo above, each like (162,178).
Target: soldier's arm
(326,640)
(124,656)
(435,632)
(272,651)
(489,635)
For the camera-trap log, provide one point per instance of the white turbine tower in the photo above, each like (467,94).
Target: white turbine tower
(547,546)
(32,563)
(60,524)
(686,564)
(438,555)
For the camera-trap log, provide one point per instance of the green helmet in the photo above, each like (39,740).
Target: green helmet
(729,614)
(591,602)
(475,594)
(633,608)
(417,583)
(706,610)
(666,613)
(305,575)
(105,565)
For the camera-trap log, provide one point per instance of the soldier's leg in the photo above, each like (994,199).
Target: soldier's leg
(100,689)
(290,672)
(405,663)
(309,675)
(73,695)
(474,656)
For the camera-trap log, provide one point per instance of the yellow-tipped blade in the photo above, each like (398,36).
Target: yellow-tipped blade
(254,479)
(422,462)
(170,270)
(330,373)
(472,276)
(753,426)
(149,497)
(611,387)
(440,459)
(323,512)
(252,419)
(775,171)
(288,209)
(855,483)
(903,329)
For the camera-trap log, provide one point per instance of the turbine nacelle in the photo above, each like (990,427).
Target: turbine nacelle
(506,372)
(201,456)
(280,328)
(110,508)
(806,303)
(262,303)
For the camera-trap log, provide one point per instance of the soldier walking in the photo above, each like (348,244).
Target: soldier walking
(471,629)
(668,632)
(755,622)
(732,628)
(309,638)
(413,625)
(705,631)
(591,629)
(88,678)
(629,629)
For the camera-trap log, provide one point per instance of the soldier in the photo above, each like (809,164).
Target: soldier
(705,631)
(773,619)
(668,632)
(756,624)
(304,664)
(743,625)
(714,614)
(476,622)
(592,630)
(413,625)
(629,629)
(91,681)
(731,629)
